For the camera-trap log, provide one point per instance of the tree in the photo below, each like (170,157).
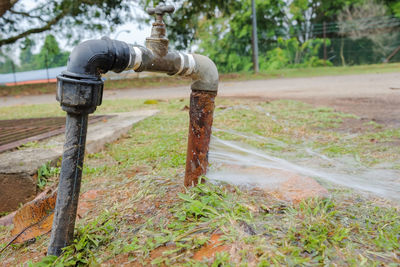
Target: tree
(306,16)
(6,5)
(369,20)
(227,37)
(26,55)
(6,64)
(64,16)
(50,54)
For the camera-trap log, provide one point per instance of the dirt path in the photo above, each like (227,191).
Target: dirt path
(371,96)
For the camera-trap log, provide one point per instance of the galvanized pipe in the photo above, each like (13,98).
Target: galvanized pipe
(70,183)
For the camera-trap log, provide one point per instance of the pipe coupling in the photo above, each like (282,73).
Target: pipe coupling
(79,96)
(187,65)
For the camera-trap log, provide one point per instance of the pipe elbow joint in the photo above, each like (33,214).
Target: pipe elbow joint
(92,58)
(80,88)
(205,75)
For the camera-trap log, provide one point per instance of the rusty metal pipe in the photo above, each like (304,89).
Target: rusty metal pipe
(205,78)
(204,89)
(201,119)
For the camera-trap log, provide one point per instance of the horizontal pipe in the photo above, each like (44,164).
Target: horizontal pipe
(92,58)
(200,68)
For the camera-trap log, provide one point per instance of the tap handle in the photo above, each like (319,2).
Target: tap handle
(160,10)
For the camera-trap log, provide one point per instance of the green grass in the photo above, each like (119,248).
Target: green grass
(348,70)
(162,81)
(145,215)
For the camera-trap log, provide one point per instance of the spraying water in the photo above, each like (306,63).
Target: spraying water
(241,164)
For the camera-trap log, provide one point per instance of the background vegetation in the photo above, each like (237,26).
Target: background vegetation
(291,33)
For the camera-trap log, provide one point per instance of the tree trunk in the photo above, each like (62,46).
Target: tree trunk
(341,52)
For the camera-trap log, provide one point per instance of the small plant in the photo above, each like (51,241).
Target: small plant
(45,172)
(29,145)
(87,239)
(206,202)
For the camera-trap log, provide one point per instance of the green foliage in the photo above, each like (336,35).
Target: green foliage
(49,56)
(319,229)
(6,65)
(396,8)
(44,172)
(26,56)
(87,240)
(227,38)
(291,53)
(207,202)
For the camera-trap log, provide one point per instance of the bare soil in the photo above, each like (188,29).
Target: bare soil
(372,97)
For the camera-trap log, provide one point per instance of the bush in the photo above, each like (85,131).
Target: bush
(291,54)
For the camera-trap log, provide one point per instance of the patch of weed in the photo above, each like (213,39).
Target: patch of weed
(44,172)
(88,239)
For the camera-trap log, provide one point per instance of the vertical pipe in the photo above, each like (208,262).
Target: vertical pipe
(255,38)
(201,119)
(70,183)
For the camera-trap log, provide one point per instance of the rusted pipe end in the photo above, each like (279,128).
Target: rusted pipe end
(201,119)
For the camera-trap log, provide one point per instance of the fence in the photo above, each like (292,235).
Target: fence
(33,76)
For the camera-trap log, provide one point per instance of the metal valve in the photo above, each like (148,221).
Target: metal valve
(157,42)
(160,10)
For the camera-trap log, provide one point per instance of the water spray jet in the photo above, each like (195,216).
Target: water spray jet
(80,91)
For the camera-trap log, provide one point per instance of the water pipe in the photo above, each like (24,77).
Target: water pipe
(80,90)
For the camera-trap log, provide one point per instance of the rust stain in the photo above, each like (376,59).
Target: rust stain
(213,246)
(35,218)
(202,106)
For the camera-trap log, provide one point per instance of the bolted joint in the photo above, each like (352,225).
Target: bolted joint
(79,96)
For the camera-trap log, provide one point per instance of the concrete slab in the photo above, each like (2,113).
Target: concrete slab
(18,169)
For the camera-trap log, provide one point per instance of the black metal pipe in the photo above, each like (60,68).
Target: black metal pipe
(70,183)
(92,58)
(79,92)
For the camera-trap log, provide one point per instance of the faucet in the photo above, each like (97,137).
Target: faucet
(80,91)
